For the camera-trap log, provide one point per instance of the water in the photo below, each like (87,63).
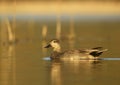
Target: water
(27,62)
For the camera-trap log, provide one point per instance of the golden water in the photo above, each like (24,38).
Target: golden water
(22,62)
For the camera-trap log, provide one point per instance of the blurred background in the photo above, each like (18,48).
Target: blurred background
(26,26)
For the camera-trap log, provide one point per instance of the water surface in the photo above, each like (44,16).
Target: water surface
(25,62)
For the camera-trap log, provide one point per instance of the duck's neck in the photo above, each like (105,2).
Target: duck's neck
(57,49)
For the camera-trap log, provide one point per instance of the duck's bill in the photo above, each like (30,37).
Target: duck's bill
(47,46)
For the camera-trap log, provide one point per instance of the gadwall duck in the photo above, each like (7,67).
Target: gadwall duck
(89,54)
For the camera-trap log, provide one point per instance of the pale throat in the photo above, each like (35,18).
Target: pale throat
(57,49)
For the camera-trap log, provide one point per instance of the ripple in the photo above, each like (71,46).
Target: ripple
(110,58)
(47,58)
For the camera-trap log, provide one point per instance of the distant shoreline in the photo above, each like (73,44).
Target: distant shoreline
(70,8)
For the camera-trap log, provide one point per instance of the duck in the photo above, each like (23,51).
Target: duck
(73,54)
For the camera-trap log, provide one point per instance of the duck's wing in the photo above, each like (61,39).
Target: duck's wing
(99,49)
(94,51)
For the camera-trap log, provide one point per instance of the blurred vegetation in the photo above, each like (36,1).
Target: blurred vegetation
(55,0)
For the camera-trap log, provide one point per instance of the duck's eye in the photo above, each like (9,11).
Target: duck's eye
(54,41)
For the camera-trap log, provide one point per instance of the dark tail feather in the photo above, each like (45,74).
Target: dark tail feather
(95,54)
(99,52)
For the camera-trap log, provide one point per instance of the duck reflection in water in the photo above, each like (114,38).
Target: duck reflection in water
(61,71)
(56,73)
(80,54)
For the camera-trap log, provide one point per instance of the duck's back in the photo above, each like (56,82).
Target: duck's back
(83,53)
(78,54)
(74,55)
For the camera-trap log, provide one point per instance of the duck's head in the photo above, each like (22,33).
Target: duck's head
(54,44)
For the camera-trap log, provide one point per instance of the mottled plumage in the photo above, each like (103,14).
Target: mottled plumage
(73,54)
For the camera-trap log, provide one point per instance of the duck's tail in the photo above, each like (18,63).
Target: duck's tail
(97,51)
